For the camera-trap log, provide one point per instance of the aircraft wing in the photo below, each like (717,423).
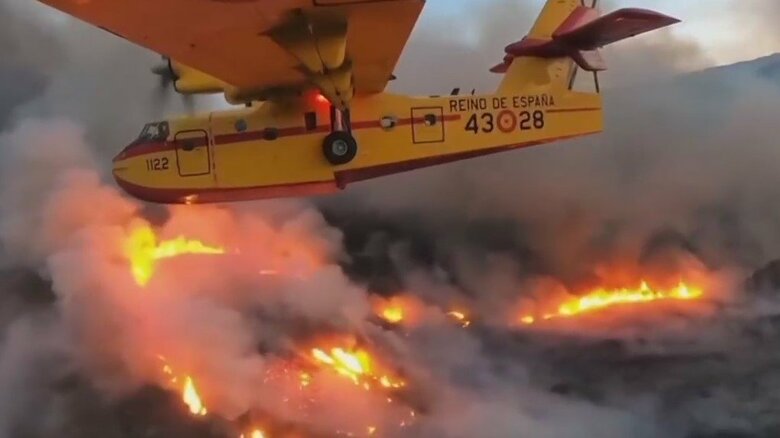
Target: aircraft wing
(340,46)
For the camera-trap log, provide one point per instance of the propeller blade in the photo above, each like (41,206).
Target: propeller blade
(160,93)
(159,100)
(165,72)
(160,70)
(168,77)
(189,103)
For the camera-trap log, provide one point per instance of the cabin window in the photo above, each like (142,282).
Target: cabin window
(430,120)
(311,121)
(188,144)
(241,125)
(388,122)
(154,132)
(270,134)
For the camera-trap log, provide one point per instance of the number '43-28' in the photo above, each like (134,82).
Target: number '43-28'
(505,121)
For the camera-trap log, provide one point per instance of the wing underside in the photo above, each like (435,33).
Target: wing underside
(342,47)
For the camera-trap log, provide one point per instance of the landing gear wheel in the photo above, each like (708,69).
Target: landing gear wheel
(339,148)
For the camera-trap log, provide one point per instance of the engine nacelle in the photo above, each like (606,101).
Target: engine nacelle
(188,80)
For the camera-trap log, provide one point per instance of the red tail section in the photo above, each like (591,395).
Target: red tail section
(583,33)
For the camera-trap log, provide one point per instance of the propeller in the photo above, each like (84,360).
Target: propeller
(167,80)
(166,73)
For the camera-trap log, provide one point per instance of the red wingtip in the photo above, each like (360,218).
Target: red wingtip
(611,28)
(501,68)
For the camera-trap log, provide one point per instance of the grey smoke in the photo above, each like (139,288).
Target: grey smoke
(684,174)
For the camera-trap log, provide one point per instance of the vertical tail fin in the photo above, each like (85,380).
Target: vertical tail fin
(524,73)
(568,32)
(553,15)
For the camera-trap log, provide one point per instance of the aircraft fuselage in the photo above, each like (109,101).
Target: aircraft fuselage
(275,149)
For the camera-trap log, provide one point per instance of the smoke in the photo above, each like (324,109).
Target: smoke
(682,183)
(230,321)
(23,75)
(684,156)
(54,65)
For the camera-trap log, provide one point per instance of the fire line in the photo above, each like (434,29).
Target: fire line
(601,299)
(356,365)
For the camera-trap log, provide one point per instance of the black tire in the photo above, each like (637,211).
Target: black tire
(339,148)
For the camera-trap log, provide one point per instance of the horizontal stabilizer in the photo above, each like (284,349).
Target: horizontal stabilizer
(585,33)
(500,68)
(581,35)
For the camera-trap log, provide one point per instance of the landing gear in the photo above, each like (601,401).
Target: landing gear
(340,147)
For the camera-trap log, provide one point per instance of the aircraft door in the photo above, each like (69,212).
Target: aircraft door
(193,156)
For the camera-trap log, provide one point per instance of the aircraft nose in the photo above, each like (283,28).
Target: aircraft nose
(121,177)
(121,155)
(120,168)
(127,166)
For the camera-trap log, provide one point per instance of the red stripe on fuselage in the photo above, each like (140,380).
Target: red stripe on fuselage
(137,149)
(164,146)
(260,135)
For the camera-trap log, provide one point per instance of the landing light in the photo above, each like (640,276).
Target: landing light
(319,98)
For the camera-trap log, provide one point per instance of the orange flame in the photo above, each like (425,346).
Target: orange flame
(601,299)
(192,399)
(257,433)
(461,317)
(305,379)
(393,314)
(356,365)
(143,251)
(189,392)
(398,309)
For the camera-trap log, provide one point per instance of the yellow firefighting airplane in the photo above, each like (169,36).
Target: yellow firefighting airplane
(312,76)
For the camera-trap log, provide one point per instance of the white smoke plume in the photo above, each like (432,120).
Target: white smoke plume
(214,314)
(683,181)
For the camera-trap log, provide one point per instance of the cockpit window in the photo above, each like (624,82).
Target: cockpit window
(154,132)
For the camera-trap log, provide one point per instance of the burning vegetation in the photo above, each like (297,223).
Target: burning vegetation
(361,366)
(342,357)
(189,392)
(355,364)
(705,183)
(602,299)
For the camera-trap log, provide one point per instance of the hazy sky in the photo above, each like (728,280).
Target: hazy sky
(725,29)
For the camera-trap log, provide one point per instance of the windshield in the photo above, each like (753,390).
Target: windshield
(154,132)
